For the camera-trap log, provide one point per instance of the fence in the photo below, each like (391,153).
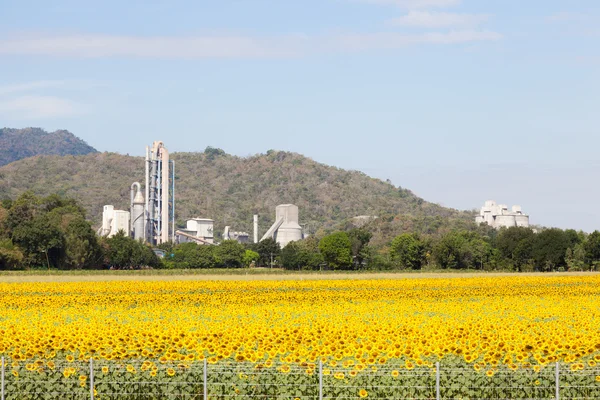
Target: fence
(202,380)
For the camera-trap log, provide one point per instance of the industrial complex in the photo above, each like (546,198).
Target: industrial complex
(151,216)
(498,215)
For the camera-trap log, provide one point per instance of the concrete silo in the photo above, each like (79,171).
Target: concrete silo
(137,211)
(286,228)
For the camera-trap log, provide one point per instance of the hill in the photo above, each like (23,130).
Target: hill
(16,144)
(231,189)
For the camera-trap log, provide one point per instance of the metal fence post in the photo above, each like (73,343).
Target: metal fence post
(91,378)
(2,378)
(320,379)
(557,379)
(205,379)
(437,381)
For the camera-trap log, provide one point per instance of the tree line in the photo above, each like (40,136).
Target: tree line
(52,232)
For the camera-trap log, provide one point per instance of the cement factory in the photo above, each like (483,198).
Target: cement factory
(498,216)
(151,215)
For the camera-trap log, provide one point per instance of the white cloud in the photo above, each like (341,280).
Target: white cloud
(101,46)
(28,86)
(415,4)
(567,16)
(397,40)
(93,46)
(426,19)
(39,107)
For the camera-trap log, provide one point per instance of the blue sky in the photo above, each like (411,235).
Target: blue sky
(458,100)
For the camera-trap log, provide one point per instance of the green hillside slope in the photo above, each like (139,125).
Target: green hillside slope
(231,189)
(16,144)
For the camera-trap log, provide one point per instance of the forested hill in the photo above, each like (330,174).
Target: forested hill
(16,144)
(231,189)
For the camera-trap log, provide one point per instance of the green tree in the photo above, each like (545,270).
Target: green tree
(359,242)
(592,248)
(192,255)
(42,241)
(575,258)
(449,251)
(230,254)
(120,250)
(11,256)
(267,250)
(310,254)
(481,252)
(291,256)
(515,245)
(21,211)
(549,249)
(337,250)
(81,244)
(250,258)
(125,252)
(407,251)
(303,254)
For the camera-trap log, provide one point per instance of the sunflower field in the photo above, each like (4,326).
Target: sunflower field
(474,338)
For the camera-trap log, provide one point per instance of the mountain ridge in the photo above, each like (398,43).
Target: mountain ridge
(17,144)
(230,189)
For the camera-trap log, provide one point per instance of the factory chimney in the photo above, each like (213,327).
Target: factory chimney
(255,228)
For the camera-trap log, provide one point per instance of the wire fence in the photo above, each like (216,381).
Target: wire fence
(202,380)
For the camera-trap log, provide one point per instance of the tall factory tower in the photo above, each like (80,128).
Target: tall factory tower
(159,223)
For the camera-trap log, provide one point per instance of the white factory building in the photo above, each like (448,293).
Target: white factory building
(199,230)
(241,237)
(286,227)
(498,215)
(114,221)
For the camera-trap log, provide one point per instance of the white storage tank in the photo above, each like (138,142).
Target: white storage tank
(289,230)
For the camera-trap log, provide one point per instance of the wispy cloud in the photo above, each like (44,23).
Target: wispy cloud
(391,40)
(415,4)
(95,46)
(102,46)
(39,107)
(426,19)
(28,86)
(567,16)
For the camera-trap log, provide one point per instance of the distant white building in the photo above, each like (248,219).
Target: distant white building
(498,215)
(114,221)
(199,230)
(286,228)
(241,237)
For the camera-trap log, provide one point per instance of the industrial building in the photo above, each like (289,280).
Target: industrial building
(114,221)
(498,216)
(286,227)
(241,237)
(198,230)
(159,223)
(151,217)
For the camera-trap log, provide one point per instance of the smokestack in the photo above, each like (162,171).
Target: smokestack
(255,228)
(147,197)
(164,234)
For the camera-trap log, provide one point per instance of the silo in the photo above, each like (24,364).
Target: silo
(107,217)
(522,220)
(505,220)
(289,230)
(137,211)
